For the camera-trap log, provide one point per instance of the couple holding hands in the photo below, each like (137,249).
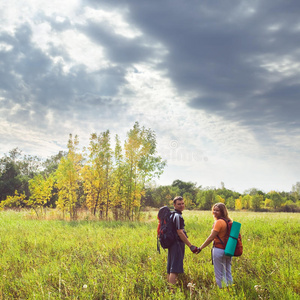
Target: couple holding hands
(222,263)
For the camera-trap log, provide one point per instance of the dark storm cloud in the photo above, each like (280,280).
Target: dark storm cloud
(219,51)
(221,58)
(228,54)
(30,78)
(118,49)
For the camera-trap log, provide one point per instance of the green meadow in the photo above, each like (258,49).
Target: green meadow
(88,259)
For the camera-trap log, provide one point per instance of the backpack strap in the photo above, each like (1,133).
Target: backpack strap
(220,240)
(227,221)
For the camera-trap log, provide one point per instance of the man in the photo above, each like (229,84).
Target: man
(176,251)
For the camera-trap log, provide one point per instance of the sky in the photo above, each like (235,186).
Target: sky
(217,81)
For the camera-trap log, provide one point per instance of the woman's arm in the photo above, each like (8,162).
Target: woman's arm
(209,239)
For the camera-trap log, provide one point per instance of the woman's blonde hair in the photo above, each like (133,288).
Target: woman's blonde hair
(223,210)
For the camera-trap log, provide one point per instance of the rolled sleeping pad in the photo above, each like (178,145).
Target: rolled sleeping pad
(232,240)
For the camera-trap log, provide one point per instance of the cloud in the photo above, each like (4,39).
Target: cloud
(219,80)
(221,54)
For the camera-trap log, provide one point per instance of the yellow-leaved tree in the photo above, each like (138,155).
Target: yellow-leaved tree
(218,198)
(68,179)
(238,203)
(117,191)
(97,174)
(40,192)
(141,165)
(246,201)
(17,201)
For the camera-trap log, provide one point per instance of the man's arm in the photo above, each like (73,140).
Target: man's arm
(183,237)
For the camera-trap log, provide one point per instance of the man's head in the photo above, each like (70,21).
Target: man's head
(178,203)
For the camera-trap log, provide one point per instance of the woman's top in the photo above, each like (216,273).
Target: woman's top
(221,227)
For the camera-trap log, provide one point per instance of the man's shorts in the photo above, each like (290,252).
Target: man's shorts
(175,257)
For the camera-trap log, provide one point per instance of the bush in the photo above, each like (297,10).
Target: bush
(289,208)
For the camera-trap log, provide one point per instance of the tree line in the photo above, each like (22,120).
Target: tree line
(117,182)
(98,178)
(198,197)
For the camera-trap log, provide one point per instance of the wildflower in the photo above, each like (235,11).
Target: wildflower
(261,292)
(84,286)
(258,288)
(191,285)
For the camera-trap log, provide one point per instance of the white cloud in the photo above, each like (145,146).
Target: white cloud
(222,98)
(112,19)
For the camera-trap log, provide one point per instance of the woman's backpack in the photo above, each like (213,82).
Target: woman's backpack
(239,245)
(166,235)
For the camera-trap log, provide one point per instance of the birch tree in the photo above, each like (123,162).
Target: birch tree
(97,174)
(141,165)
(117,191)
(68,180)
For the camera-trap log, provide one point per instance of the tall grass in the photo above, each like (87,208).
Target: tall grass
(54,259)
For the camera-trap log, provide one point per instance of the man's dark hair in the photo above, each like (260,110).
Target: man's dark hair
(177,198)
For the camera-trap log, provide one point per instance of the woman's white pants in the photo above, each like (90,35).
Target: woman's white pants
(222,267)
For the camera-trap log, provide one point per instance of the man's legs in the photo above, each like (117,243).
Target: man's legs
(175,261)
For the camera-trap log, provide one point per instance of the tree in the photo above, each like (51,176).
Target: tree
(186,188)
(218,198)
(16,201)
(40,192)
(15,172)
(50,165)
(68,180)
(276,199)
(158,196)
(230,202)
(268,203)
(296,191)
(30,166)
(246,201)
(141,165)
(238,203)
(117,191)
(188,200)
(10,179)
(106,153)
(206,199)
(253,191)
(257,201)
(97,174)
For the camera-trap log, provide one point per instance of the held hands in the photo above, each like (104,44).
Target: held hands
(195,249)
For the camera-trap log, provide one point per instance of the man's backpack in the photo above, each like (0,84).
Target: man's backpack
(239,245)
(166,234)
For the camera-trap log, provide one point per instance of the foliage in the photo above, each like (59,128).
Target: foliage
(119,181)
(256,202)
(141,165)
(97,174)
(206,198)
(51,164)
(40,192)
(68,179)
(17,200)
(13,174)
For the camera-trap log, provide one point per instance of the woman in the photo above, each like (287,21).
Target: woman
(222,263)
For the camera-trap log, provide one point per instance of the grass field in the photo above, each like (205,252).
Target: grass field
(54,259)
